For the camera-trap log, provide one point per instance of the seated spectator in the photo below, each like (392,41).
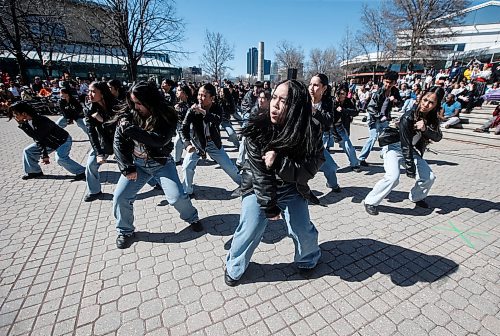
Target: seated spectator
(492,94)
(493,122)
(470,98)
(450,111)
(45,91)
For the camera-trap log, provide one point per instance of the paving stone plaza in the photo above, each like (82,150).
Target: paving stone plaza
(404,272)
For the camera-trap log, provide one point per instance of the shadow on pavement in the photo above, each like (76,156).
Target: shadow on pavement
(217,225)
(442,204)
(357,260)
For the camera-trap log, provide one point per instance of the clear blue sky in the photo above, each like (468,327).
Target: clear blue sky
(306,23)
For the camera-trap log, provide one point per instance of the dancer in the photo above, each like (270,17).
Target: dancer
(183,94)
(342,109)
(99,120)
(48,138)
(285,150)
(72,111)
(204,118)
(322,105)
(416,128)
(379,112)
(228,109)
(142,145)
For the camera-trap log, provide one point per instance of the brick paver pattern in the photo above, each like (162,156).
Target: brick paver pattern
(399,273)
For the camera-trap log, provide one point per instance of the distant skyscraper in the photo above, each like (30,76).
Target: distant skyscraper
(267,67)
(252,59)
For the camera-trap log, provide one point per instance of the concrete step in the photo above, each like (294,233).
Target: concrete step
(464,131)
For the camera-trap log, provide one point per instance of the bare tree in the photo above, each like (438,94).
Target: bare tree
(420,24)
(375,34)
(140,27)
(323,61)
(217,53)
(348,48)
(11,26)
(289,56)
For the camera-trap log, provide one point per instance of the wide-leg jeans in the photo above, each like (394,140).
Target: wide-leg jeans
(253,223)
(218,154)
(126,193)
(393,159)
(32,154)
(374,131)
(80,122)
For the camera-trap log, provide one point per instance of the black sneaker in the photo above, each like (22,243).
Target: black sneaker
(124,241)
(79,177)
(196,226)
(422,204)
(157,187)
(178,163)
(236,192)
(336,189)
(371,209)
(30,176)
(92,197)
(363,163)
(230,281)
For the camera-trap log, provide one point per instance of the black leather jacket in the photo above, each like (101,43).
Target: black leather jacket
(197,120)
(407,132)
(71,110)
(285,172)
(45,132)
(157,143)
(324,115)
(101,134)
(378,107)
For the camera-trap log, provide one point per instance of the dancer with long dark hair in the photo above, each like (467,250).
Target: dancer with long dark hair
(322,109)
(99,119)
(284,151)
(416,128)
(142,146)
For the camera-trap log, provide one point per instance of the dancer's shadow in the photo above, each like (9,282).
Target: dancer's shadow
(441,163)
(357,260)
(213,193)
(441,203)
(217,225)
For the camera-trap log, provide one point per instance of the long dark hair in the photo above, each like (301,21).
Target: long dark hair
(19,107)
(326,98)
(149,96)
(432,116)
(295,137)
(107,96)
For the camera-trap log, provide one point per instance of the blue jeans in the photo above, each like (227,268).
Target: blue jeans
(92,173)
(393,159)
(80,122)
(126,192)
(346,145)
(328,140)
(329,168)
(32,154)
(375,130)
(231,134)
(253,223)
(242,152)
(219,155)
(178,146)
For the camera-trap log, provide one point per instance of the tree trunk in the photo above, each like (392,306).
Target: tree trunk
(22,65)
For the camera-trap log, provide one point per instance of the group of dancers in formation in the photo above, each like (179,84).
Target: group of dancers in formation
(283,144)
